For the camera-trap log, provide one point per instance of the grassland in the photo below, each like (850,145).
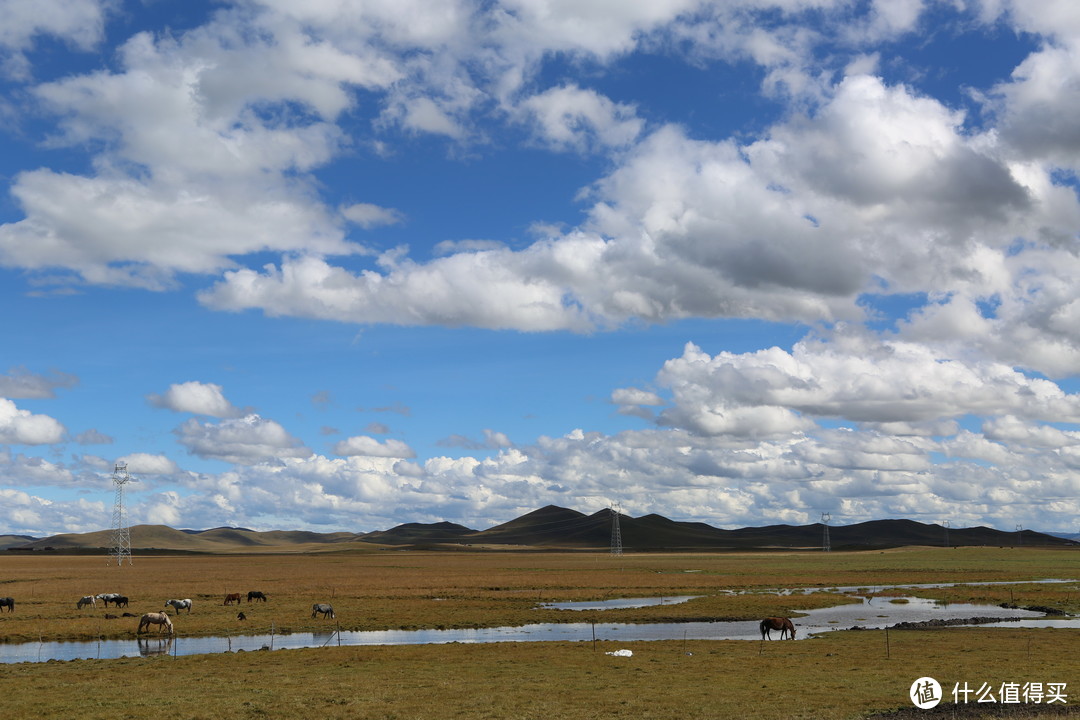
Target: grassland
(840,675)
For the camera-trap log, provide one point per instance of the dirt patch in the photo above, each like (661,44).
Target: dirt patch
(939,623)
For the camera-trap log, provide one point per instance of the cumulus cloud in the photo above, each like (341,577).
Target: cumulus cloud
(204,152)
(196,397)
(148,464)
(570,117)
(78,22)
(853,377)
(246,440)
(370,447)
(22,427)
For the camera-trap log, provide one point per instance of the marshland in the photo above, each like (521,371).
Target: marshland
(840,674)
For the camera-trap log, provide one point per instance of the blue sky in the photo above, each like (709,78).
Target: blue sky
(341,266)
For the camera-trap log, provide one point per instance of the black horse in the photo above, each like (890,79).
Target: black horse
(8,603)
(256,595)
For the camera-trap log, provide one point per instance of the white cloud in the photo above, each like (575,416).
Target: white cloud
(856,378)
(370,447)
(22,427)
(196,397)
(570,117)
(79,22)
(634,396)
(247,440)
(149,464)
(370,216)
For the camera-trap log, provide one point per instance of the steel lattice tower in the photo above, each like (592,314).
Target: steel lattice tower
(121,539)
(616,533)
(826,544)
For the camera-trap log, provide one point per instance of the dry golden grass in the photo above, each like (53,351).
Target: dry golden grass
(396,589)
(840,675)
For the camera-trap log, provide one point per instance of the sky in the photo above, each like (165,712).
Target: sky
(346,264)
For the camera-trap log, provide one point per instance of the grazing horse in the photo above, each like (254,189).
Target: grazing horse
(8,603)
(256,595)
(324,609)
(107,598)
(179,605)
(232,598)
(84,601)
(120,601)
(160,619)
(784,625)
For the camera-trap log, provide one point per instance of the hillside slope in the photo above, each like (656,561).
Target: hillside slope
(550,527)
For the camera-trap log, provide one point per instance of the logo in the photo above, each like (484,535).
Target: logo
(925,693)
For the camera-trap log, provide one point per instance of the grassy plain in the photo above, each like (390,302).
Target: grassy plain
(839,675)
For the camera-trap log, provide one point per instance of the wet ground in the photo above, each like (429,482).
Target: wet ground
(871,613)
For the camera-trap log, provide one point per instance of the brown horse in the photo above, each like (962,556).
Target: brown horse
(160,619)
(232,598)
(784,625)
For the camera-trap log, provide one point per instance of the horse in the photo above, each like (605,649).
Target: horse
(120,601)
(179,605)
(324,609)
(107,598)
(8,603)
(256,595)
(160,619)
(232,598)
(84,601)
(109,616)
(784,625)
(241,616)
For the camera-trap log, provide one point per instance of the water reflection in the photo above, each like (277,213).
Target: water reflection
(154,646)
(871,613)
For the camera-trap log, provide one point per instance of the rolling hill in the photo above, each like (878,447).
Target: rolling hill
(550,527)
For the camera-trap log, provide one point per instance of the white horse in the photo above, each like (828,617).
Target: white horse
(107,598)
(160,619)
(179,605)
(324,609)
(84,601)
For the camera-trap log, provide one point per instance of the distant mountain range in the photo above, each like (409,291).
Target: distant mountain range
(550,528)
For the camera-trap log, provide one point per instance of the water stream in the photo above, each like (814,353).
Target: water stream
(871,613)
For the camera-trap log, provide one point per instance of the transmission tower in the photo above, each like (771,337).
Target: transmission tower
(826,544)
(121,539)
(1019,535)
(616,533)
(945,524)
